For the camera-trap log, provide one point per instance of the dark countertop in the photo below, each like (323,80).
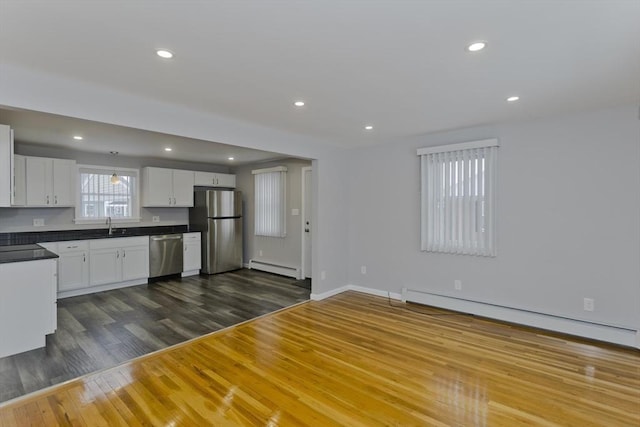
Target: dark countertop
(19,253)
(31,237)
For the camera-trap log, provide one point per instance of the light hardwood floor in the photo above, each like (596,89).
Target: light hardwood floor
(104,329)
(354,360)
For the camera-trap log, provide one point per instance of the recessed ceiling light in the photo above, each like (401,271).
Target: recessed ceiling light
(513,98)
(368,127)
(476,46)
(168,149)
(231,158)
(163,53)
(299,103)
(78,138)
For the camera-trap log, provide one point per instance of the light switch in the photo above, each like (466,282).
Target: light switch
(295,212)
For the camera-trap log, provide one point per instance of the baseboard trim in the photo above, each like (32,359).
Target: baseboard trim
(616,335)
(363,289)
(100,288)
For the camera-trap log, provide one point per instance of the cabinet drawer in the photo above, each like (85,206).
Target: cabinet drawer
(73,246)
(192,236)
(119,242)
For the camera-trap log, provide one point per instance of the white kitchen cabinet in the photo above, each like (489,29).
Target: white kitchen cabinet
(118,260)
(27,305)
(135,261)
(6,159)
(211,179)
(192,259)
(73,265)
(50,182)
(167,187)
(19,181)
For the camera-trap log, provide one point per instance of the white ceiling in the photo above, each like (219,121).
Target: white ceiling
(50,129)
(398,65)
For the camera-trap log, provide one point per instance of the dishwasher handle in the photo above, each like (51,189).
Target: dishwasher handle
(154,238)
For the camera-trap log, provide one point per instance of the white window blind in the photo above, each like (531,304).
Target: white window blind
(99,198)
(458,198)
(270,201)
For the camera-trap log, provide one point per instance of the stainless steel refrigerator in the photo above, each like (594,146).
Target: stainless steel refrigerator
(218,215)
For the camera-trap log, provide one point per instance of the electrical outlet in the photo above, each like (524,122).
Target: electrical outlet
(38,222)
(363,269)
(589,304)
(260,252)
(155,219)
(323,275)
(457,284)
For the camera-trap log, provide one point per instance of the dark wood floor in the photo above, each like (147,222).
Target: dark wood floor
(101,330)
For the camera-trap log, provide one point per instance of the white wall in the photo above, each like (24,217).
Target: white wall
(280,250)
(568,219)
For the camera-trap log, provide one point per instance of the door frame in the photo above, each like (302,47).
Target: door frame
(303,215)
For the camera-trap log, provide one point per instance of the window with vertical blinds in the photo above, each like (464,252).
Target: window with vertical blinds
(270,201)
(99,198)
(458,198)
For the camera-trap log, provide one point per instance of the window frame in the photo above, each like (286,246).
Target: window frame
(108,170)
(454,229)
(282,233)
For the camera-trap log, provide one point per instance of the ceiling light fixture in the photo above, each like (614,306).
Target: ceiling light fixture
(78,138)
(299,103)
(476,46)
(513,98)
(115,179)
(231,158)
(368,127)
(168,149)
(163,53)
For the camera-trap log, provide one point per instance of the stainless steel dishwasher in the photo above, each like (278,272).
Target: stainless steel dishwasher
(165,255)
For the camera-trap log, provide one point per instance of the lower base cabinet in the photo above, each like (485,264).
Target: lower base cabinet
(192,259)
(73,265)
(118,260)
(27,306)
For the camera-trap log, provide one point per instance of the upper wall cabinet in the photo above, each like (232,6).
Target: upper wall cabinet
(215,179)
(50,182)
(6,167)
(167,187)
(19,181)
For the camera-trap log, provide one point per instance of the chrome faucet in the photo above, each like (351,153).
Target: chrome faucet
(109,224)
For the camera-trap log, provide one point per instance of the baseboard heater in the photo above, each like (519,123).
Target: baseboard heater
(617,334)
(270,267)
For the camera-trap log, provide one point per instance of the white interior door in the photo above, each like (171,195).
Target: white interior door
(306,221)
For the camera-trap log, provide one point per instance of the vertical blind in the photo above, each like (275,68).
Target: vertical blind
(458,198)
(270,201)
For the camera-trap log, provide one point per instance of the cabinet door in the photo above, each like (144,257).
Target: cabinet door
(64,178)
(38,181)
(204,178)
(157,187)
(225,180)
(73,271)
(183,188)
(105,266)
(135,262)
(6,152)
(19,181)
(192,255)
